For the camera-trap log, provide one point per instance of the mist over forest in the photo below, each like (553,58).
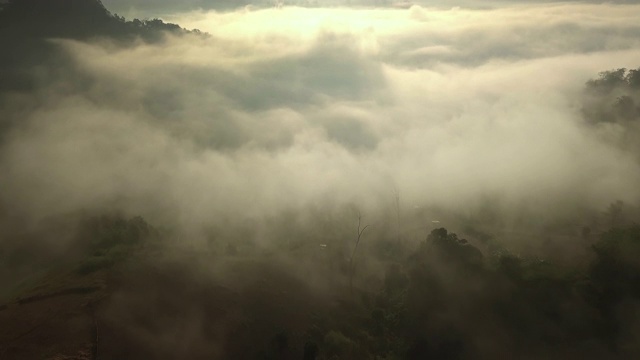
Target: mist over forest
(319,180)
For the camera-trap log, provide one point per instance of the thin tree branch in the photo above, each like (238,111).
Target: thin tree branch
(353,253)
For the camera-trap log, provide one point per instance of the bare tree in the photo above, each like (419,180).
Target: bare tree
(353,253)
(396,195)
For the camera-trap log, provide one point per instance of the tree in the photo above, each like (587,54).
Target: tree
(615,212)
(448,247)
(633,78)
(608,80)
(396,196)
(614,277)
(353,253)
(613,97)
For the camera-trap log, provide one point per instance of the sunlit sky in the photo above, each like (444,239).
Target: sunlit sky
(292,20)
(162,8)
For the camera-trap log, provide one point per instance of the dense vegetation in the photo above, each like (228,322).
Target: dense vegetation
(614,97)
(442,298)
(448,301)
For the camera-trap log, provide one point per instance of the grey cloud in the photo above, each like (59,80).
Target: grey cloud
(195,130)
(207,102)
(351,133)
(510,39)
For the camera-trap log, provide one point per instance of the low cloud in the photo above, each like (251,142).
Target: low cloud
(449,108)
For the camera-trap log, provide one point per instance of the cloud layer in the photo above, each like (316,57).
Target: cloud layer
(288,109)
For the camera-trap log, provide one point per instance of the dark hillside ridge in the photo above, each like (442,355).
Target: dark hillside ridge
(75,19)
(27,25)
(55,17)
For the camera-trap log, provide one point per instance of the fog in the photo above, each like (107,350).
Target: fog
(204,194)
(286,109)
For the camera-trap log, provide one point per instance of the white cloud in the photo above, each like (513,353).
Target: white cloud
(286,108)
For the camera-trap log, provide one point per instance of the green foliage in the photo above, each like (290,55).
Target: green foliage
(311,351)
(277,347)
(448,248)
(436,303)
(615,274)
(608,80)
(111,239)
(620,245)
(511,266)
(337,344)
(94,264)
(107,231)
(428,307)
(613,97)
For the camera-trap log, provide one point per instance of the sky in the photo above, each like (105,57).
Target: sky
(161,8)
(290,108)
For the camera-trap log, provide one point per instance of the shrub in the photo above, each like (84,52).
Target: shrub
(338,344)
